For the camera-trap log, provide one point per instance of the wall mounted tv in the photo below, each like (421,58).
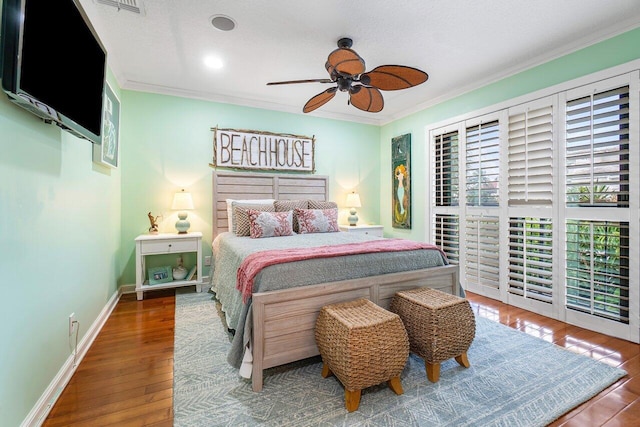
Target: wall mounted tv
(53,63)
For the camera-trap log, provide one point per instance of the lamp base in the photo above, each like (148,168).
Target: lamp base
(182,225)
(353,218)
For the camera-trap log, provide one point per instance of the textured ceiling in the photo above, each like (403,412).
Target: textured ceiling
(461,44)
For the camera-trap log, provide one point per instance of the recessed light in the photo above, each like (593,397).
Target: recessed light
(213,62)
(223,22)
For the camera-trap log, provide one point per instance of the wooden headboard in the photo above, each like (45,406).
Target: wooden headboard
(248,185)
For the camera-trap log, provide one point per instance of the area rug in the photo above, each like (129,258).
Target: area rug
(514,380)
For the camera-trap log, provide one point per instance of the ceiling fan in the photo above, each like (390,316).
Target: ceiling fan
(347,70)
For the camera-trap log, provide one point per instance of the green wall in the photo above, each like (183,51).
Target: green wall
(167,144)
(609,53)
(59,240)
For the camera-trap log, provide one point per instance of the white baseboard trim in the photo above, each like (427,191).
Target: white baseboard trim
(43,406)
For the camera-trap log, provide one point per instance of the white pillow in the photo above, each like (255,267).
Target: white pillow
(230,204)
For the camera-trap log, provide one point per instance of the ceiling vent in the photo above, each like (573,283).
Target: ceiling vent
(134,6)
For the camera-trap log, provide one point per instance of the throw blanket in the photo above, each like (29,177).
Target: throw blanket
(255,262)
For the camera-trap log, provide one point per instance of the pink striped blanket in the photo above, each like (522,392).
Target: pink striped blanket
(256,261)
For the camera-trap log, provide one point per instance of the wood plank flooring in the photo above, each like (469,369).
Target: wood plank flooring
(126,378)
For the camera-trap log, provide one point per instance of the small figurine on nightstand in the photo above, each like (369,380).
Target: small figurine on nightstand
(154,224)
(179,272)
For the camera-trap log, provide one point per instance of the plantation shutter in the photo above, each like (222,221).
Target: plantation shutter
(483,164)
(598,268)
(446,169)
(531,258)
(482,262)
(447,232)
(597,149)
(531,157)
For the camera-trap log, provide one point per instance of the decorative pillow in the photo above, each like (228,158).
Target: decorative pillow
(270,224)
(319,204)
(317,220)
(290,205)
(241,216)
(231,222)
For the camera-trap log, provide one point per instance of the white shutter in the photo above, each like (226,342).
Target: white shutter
(446,233)
(482,164)
(597,149)
(531,157)
(482,261)
(597,270)
(531,258)
(446,169)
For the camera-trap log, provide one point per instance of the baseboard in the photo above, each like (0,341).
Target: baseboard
(43,406)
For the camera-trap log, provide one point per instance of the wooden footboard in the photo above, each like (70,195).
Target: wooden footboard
(284,321)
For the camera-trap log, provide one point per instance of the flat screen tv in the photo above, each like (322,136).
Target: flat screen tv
(53,63)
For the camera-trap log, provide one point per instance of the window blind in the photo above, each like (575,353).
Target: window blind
(446,233)
(483,164)
(482,262)
(531,258)
(531,157)
(597,270)
(446,169)
(597,149)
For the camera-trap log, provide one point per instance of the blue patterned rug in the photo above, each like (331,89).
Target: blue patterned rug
(514,380)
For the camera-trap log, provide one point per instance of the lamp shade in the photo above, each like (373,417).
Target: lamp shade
(353,200)
(182,201)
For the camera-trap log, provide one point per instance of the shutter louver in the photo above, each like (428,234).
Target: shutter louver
(597,278)
(446,169)
(597,149)
(531,157)
(447,232)
(531,258)
(483,164)
(482,262)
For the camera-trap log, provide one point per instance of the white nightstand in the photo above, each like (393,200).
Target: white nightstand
(374,230)
(162,244)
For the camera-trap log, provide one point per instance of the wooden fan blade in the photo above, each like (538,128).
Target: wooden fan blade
(394,77)
(319,100)
(301,81)
(345,61)
(366,98)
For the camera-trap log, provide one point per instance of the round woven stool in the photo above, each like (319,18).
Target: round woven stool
(440,326)
(363,345)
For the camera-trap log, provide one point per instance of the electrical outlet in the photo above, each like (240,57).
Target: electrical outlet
(72,323)
(207,260)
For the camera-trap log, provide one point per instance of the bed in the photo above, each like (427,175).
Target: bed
(276,324)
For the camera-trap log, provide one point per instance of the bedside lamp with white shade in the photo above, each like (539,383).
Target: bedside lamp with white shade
(353,202)
(182,201)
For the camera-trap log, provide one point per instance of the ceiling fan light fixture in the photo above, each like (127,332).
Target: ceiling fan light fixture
(223,22)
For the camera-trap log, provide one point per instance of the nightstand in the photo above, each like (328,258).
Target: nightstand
(163,244)
(374,230)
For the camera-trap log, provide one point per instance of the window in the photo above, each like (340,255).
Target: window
(531,157)
(598,268)
(447,232)
(447,172)
(482,266)
(531,258)
(483,164)
(597,149)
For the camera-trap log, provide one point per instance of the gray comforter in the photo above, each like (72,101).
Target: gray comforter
(229,250)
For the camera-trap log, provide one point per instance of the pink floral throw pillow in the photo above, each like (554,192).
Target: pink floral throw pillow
(317,220)
(270,224)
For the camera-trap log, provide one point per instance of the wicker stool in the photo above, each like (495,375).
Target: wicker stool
(363,345)
(440,326)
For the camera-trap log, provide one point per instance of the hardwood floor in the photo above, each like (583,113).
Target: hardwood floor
(126,378)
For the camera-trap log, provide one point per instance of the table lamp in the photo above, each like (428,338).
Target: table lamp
(181,202)
(353,202)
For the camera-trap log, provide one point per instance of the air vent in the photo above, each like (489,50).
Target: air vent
(134,6)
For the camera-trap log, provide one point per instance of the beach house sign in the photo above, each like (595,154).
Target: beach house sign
(257,150)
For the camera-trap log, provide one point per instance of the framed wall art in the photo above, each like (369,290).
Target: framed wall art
(401,178)
(106,153)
